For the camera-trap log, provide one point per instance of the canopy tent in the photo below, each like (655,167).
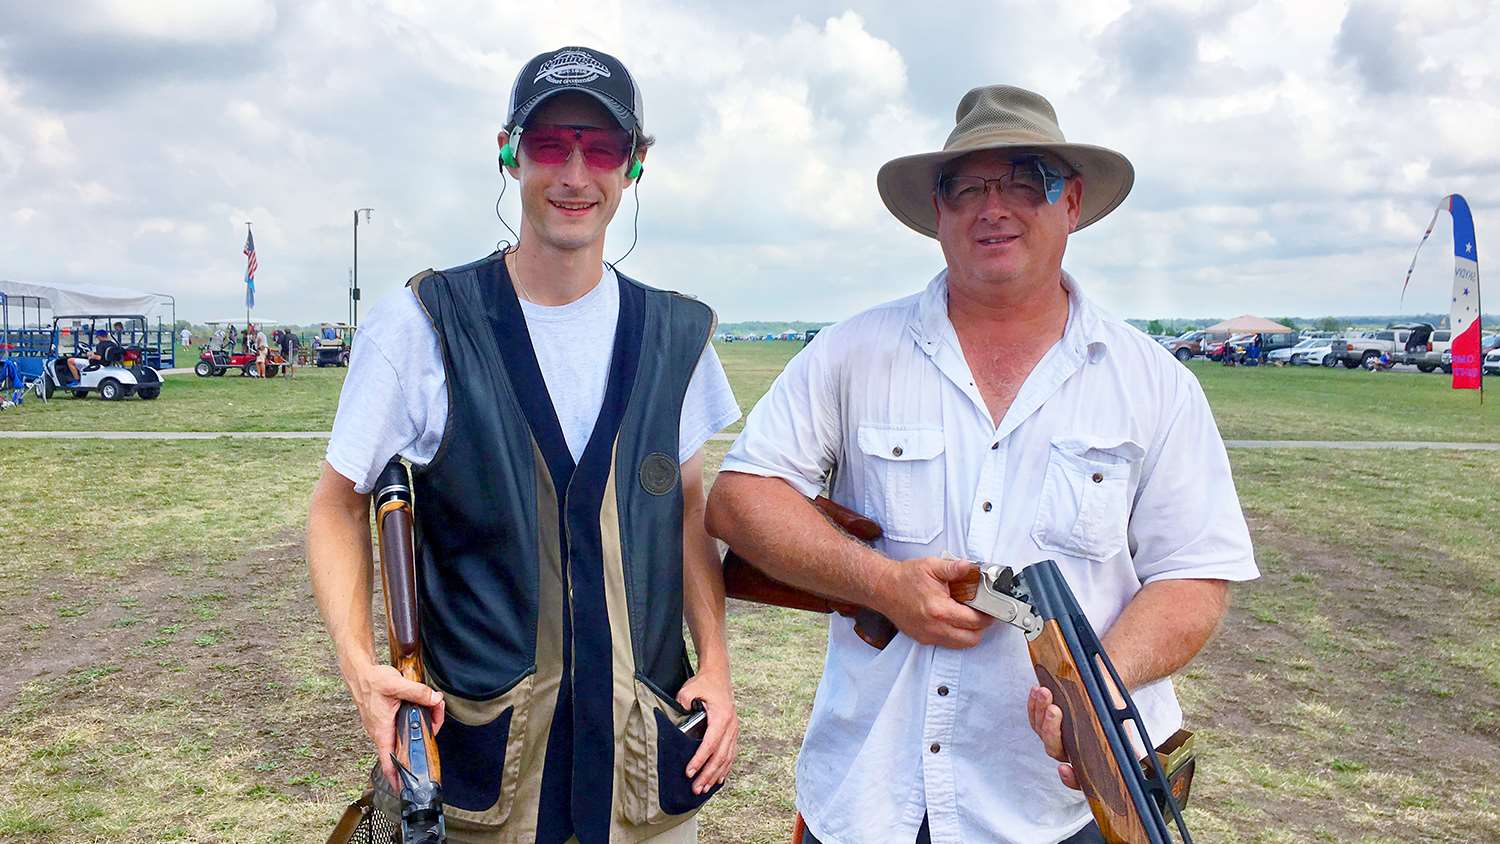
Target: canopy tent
(1248,324)
(237,321)
(86,299)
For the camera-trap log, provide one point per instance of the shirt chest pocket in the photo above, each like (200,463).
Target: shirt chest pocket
(1084,507)
(904,480)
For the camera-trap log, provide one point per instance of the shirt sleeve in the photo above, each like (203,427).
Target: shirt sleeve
(709,406)
(793,433)
(1187,521)
(379,415)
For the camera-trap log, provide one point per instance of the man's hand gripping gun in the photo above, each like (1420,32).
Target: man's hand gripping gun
(1130,800)
(414,815)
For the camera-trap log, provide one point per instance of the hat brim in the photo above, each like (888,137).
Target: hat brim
(621,114)
(906,184)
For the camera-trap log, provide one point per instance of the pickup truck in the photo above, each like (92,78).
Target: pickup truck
(1371,344)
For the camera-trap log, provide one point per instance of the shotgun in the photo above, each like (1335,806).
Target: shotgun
(1130,800)
(414,814)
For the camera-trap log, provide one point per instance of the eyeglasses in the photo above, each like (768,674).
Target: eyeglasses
(552,144)
(1030,182)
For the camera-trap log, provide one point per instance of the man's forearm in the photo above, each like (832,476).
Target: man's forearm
(1163,628)
(340,563)
(768,521)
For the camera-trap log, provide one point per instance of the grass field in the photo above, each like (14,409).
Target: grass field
(172,681)
(1270,403)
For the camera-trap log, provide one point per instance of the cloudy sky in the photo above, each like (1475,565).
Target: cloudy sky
(1288,154)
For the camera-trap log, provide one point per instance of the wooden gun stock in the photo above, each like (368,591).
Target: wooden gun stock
(744,581)
(393,527)
(1084,741)
(417,802)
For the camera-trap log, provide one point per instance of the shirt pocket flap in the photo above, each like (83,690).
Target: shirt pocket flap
(1113,456)
(901,443)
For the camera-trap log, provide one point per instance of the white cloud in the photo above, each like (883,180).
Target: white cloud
(1271,174)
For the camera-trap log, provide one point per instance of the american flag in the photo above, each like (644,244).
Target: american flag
(249,269)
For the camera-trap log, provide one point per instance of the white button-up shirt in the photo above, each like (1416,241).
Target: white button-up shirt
(1108,461)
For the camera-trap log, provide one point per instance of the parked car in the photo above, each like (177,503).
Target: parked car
(1284,355)
(1192,343)
(1319,353)
(1424,347)
(1487,343)
(1492,363)
(1215,351)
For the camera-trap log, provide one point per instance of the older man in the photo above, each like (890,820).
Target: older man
(999,416)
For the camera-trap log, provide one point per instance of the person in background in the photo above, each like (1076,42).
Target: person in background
(286,342)
(186,338)
(261,348)
(233,339)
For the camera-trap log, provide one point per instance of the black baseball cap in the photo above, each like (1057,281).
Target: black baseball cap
(580,69)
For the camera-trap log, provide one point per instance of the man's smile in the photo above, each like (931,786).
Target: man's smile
(572,207)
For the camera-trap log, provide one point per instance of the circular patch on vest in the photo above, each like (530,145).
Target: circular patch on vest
(658,473)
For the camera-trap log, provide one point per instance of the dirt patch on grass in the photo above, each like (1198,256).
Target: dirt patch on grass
(1340,697)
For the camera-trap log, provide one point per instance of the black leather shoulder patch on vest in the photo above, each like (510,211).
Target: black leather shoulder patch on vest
(658,473)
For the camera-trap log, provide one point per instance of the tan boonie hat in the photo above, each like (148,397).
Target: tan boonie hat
(1003,117)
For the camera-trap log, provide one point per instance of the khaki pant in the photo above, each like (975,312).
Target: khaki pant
(460,832)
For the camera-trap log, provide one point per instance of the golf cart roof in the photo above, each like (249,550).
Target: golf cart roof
(89,299)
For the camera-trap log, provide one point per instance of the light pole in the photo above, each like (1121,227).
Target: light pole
(354,283)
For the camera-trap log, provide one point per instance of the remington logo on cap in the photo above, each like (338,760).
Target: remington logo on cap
(571,67)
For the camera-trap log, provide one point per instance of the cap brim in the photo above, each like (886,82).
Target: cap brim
(906,184)
(622,115)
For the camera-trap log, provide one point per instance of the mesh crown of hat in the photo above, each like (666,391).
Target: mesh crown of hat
(1001,108)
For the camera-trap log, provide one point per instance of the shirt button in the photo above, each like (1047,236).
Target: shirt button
(1098,478)
(935,747)
(896,451)
(987,507)
(942,691)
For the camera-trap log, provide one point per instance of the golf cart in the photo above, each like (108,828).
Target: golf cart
(335,339)
(122,372)
(217,356)
(42,321)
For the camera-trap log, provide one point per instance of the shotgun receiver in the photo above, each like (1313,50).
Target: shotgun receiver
(414,815)
(1130,800)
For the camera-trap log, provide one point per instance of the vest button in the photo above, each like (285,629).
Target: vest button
(1098,477)
(942,691)
(935,747)
(988,507)
(896,451)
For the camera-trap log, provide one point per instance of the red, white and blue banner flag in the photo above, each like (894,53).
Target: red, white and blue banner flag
(1463,309)
(249,269)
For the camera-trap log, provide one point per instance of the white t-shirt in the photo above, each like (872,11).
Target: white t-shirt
(395,397)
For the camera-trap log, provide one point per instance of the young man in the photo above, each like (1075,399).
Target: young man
(554,413)
(1001,417)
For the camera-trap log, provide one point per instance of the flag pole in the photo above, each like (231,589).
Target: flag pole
(247,298)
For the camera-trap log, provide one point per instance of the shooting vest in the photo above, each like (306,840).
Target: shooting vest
(551,593)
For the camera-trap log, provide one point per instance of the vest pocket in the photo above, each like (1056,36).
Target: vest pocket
(479,749)
(654,791)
